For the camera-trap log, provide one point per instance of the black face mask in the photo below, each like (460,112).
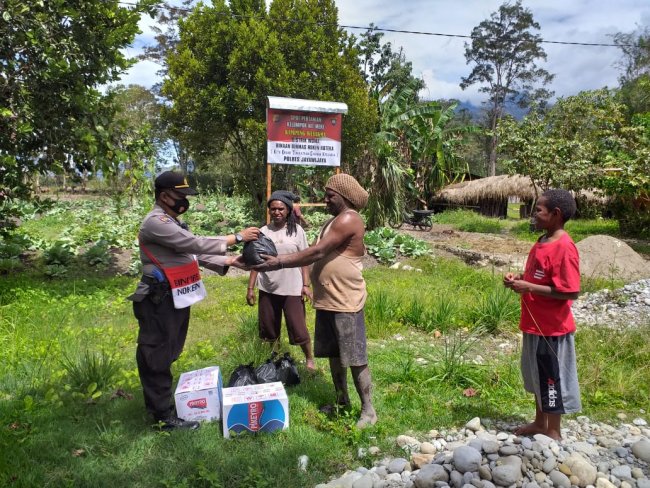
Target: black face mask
(183,203)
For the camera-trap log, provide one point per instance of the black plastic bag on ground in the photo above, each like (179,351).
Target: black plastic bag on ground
(253,249)
(267,372)
(287,370)
(242,376)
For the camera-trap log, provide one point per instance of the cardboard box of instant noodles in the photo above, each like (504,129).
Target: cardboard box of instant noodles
(255,408)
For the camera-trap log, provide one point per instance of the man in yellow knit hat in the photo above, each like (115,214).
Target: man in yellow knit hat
(339,292)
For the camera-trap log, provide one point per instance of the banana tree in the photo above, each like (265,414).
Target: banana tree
(413,154)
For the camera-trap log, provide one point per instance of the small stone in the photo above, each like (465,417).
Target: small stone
(408,442)
(559,479)
(419,459)
(427,448)
(429,475)
(544,440)
(581,468)
(508,450)
(540,477)
(641,449)
(507,473)
(485,473)
(456,479)
(526,443)
(622,472)
(373,450)
(362,452)
(607,442)
(604,483)
(397,465)
(466,459)
(643,483)
(621,452)
(637,473)
(502,436)
(394,477)
(565,469)
(474,424)
(549,464)
(490,447)
(640,422)
(621,416)
(366,481)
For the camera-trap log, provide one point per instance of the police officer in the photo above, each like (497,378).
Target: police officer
(165,242)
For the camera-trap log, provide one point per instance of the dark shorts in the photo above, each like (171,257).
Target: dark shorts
(341,335)
(269,313)
(548,367)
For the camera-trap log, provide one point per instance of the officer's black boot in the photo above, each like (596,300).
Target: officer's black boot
(173,423)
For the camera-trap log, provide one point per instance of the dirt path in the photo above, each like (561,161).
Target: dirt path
(501,252)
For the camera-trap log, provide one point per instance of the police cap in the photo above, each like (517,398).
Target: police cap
(169,180)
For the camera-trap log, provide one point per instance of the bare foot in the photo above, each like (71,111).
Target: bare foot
(529,429)
(367,418)
(311,367)
(334,409)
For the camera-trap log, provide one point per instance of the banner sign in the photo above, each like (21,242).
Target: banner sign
(305,138)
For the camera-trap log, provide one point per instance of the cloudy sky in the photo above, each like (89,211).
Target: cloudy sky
(441,61)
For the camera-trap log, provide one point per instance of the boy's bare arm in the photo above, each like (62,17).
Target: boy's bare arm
(522,286)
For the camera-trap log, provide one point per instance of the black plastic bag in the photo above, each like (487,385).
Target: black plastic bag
(267,372)
(287,370)
(253,249)
(242,376)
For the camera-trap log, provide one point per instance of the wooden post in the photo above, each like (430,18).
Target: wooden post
(268,191)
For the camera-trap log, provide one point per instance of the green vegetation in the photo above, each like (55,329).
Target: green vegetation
(469,221)
(71,398)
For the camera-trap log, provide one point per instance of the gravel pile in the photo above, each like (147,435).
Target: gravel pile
(591,455)
(625,307)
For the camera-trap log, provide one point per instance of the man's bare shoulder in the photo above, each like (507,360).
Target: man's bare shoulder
(349,220)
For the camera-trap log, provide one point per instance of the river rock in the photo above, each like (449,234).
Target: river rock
(507,473)
(366,481)
(559,479)
(490,447)
(429,475)
(581,468)
(604,483)
(418,459)
(641,449)
(427,448)
(466,459)
(397,465)
(456,479)
(549,464)
(622,472)
(474,424)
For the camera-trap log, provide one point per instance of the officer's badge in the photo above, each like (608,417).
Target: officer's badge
(166,219)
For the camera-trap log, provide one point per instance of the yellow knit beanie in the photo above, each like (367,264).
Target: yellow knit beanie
(349,188)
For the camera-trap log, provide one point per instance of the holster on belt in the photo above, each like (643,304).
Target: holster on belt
(158,290)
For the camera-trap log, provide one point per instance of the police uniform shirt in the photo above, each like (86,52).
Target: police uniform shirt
(172,245)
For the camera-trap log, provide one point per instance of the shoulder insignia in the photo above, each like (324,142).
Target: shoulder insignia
(166,219)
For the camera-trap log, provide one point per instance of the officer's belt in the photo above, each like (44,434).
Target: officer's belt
(149,280)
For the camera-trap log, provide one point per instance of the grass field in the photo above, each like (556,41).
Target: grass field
(71,409)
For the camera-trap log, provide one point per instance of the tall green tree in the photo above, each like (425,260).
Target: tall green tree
(230,57)
(384,69)
(504,51)
(635,70)
(584,142)
(54,54)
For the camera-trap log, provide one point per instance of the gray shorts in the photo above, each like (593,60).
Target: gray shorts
(548,367)
(341,335)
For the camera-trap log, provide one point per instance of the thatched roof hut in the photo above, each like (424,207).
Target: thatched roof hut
(489,195)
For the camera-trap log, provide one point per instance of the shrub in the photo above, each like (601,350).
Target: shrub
(98,254)
(60,253)
(498,307)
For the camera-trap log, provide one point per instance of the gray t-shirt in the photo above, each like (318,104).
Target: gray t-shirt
(287,281)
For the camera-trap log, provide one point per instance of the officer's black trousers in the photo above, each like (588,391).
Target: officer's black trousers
(161,339)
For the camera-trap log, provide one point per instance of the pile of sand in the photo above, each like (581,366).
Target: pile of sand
(608,257)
